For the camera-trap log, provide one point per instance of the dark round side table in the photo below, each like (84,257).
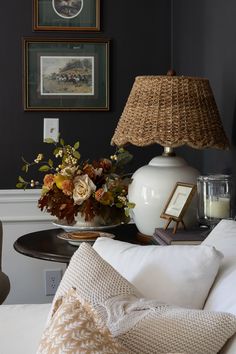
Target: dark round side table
(47,246)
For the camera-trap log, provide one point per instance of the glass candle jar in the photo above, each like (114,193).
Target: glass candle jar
(214,198)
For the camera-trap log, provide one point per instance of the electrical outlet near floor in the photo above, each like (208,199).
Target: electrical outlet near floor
(52,279)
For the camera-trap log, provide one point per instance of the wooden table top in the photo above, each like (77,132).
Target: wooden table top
(47,246)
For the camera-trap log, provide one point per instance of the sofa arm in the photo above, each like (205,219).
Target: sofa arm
(4,286)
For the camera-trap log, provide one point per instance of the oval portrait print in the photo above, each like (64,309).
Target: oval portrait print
(67,8)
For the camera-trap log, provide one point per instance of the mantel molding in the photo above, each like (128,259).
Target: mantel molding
(21,205)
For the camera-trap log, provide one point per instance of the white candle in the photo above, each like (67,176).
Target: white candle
(218,208)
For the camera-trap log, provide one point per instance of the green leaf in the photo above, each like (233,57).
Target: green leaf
(25,168)
(120,150)
(76,145)
(21,179)
(76,154)
(55,152)
(49,141)
(127,212)
(44,168)
(62,142)
(123,157)
(119,205)
(50,162)
(20,185)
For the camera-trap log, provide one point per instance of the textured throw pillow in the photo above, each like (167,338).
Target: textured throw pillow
(75,328)
(177,275)
(94,279)
(144,326)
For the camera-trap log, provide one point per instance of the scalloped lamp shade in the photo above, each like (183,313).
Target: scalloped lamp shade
(170,111)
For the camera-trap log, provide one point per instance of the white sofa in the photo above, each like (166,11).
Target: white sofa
(21,326)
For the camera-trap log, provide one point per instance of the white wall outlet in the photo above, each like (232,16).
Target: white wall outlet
(51,128)
(52,280)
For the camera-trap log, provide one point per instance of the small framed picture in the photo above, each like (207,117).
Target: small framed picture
(66,15)
(178,201)
(66,74)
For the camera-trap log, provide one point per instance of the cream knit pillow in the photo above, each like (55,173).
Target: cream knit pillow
(141,325)
(93,278)
(144,326)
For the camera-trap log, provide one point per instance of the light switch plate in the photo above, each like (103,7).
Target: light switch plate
(51,129)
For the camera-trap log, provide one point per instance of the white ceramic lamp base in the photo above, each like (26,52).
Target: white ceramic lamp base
(151,187)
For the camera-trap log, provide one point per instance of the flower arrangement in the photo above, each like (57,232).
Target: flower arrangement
(72,186)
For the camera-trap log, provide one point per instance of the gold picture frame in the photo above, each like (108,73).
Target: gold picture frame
(82,86)
(50,15)
(178,203)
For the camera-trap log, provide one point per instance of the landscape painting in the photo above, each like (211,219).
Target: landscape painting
(66,75)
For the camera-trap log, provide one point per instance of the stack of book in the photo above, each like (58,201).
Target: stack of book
(181,237)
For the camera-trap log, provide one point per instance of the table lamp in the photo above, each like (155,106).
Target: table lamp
(170,111)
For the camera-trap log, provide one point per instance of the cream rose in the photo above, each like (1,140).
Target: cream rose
(83,188)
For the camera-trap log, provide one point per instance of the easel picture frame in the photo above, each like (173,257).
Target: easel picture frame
(177,204)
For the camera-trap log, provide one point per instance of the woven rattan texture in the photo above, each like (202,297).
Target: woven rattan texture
(171,111)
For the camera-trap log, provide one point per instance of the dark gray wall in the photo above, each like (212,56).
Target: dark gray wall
(204,36)
(204,33)
(140,44)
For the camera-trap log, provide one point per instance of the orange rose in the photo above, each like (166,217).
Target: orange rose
(48,181)
(99,193)
(67,187)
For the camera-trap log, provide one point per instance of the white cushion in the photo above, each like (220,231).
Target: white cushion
(21,327)
(143,326)
(223,294)
(171,274)
(93,278)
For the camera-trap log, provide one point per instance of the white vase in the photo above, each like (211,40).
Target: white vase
(151,187)
(96,221)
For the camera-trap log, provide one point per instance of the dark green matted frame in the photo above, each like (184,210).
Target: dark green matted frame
(66,74)
(47,18)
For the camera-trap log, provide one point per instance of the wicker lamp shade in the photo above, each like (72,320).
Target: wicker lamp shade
(171,111)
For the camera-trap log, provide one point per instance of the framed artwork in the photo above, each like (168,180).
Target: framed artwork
(178,203)
(66,74)
(66,15)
